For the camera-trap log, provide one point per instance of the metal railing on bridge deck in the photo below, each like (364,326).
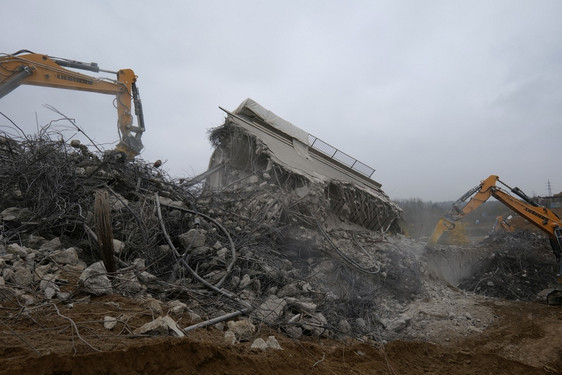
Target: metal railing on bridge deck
(340,156)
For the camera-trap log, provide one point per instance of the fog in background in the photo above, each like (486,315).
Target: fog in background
(435,95)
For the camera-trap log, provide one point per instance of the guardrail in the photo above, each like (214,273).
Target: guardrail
(340,156)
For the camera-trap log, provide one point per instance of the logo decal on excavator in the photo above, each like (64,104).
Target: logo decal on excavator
(75,79)
(544,218)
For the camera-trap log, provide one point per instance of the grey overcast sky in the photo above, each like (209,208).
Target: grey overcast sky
(435,95)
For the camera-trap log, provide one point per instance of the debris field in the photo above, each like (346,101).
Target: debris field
(112,266)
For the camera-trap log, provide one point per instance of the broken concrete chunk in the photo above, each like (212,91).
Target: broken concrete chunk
(94,280)
(242,329)
(27,299)
(8,257)
(344,327)
(245,282)
(362,325)
(146,277)
(128,283)
(272,343)
(78,268)
(306,287)
(139,264)
(222,253)
(229,337)
(289,290)
(214,276)
(271,310)
(22,276)
(50,292)
(30,256)
(68,256)
(8,274)
(316,325)
(195,318)
(109,322)
(154,306)
(294,332)
(160,326)
(17,250)
(48,281)
(177,307)
(201,251)
(302,191)
(397,325)
(118,246)
(259,344)
(34,241)
(301,306)
(193,238)
(16,214)
(52,245)
(117,202)
(63,295)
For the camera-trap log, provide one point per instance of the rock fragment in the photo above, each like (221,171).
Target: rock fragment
(242,329)
(94,280)
(160,326)
(229,337)
(128,283)
(17,250)
(109,322)
(22,276)
(273,343)
(52,245)
(271,310)
(16,214)
(177,307)
(68,256)
(259,343)
(193,238)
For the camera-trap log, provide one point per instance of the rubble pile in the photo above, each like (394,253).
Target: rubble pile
(515,265)
(263,246)
(266,249)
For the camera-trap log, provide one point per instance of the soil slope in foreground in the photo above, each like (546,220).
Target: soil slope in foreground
(525,339)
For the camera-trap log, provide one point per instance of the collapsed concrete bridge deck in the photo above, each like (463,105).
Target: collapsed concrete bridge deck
(258,138)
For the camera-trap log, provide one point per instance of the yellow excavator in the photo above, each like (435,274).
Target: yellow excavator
(503,225)
(542,217)
(27,68)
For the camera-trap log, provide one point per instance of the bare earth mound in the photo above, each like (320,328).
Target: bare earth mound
(520,341)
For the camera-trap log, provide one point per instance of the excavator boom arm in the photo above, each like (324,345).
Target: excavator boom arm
(478,195)
(42,70)
(542,217)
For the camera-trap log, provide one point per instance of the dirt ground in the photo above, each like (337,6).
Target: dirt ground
(525,338)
